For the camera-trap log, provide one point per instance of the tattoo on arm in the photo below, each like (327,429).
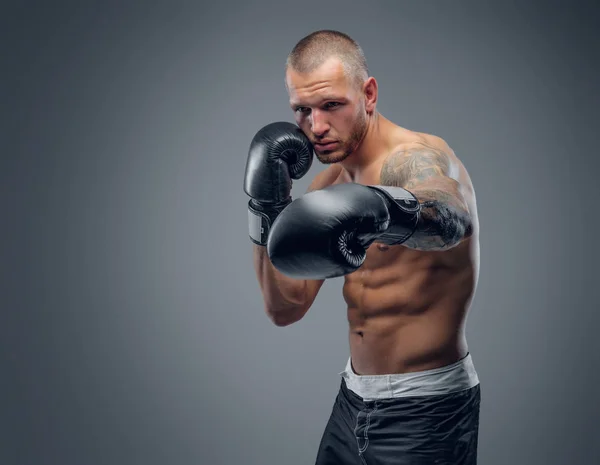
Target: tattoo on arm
(410,167)
(443,222)
(425,172)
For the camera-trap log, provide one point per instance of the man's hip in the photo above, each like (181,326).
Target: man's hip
(429,417)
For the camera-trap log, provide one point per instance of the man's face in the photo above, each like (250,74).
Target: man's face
(328,109)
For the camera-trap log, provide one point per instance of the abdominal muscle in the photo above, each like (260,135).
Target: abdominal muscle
(407,309)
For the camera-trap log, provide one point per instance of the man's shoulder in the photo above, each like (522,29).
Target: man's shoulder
(412,147)
(408,139)
(415,149)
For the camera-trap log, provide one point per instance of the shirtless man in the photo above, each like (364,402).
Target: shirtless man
(394,212)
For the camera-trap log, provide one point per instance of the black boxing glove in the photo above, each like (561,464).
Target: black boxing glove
(278,153)
(326,233)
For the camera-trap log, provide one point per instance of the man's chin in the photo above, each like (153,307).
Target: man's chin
(328,158)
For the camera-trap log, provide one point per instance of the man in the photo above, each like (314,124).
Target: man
(394,213)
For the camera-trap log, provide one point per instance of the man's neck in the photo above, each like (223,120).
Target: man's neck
(370,149)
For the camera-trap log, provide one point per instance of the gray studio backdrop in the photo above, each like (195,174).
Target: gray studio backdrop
(132,327)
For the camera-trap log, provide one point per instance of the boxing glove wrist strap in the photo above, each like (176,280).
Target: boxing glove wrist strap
(261,217)
(404,210)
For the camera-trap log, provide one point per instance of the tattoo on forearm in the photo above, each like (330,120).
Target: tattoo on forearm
(443,222)
(427,172)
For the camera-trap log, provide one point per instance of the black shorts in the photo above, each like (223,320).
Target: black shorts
(410,430)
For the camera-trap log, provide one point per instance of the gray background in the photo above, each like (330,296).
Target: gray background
(132,327)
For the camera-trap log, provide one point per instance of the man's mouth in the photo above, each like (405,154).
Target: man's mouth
(321,146)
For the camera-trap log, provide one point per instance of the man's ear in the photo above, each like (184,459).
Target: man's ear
(370,92)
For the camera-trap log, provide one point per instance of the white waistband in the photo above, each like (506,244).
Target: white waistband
(444,380)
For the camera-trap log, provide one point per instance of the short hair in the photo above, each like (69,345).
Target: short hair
(314,49)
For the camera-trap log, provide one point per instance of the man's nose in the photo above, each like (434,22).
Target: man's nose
(319,124)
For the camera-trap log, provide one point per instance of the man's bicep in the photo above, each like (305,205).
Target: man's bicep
(419,165)
(430,172)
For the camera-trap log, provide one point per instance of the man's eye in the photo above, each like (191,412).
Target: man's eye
(301,109)
(331,104)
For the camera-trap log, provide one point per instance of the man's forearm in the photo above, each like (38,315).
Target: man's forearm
(285,298)
(444,220)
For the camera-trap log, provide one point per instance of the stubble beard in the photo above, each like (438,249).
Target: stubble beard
(347,147)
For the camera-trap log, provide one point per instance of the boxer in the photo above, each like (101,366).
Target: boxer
(394,213)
